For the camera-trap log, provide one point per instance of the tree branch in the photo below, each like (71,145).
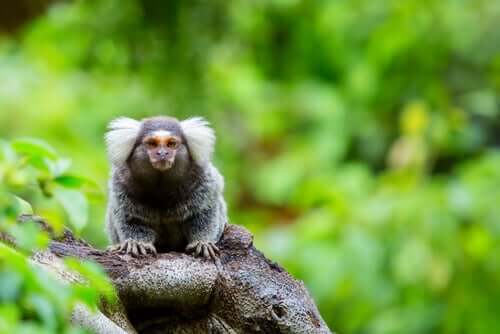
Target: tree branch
(243,292)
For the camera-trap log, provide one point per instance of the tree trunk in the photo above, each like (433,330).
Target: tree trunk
(242,292)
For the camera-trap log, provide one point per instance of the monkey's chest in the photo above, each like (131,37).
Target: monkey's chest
(169,236)
(167,221)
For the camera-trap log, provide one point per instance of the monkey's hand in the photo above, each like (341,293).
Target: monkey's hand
(207,249)
(134,248)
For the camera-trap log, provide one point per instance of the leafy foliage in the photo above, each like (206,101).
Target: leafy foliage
(31,299)
(358,138)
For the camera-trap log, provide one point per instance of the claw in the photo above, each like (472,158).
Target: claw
(134,248)
(146,248)
(206,249)
(150,248)
(211,253)
(190,247)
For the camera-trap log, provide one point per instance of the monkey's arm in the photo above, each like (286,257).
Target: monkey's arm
(202,231)
(135,238)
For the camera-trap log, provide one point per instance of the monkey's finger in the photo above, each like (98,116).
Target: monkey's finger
(123,247)
(191,246)
(142,249)
(215,249)
(145,248)
(128,250)
(135,250)
(212,253)
(198,248)
(129,244)
(206,253)
(151,248)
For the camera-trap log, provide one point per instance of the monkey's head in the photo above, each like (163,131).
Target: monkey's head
(159,144)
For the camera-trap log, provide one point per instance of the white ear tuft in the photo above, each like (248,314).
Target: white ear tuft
(200,139)
(120,139)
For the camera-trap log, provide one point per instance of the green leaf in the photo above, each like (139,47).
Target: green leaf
(44,309)
(9,315)
(59,167)
(23,206)
(13,280)
(95,276)
(74,181)
(34,147)
(41,163)
(85,294)
(28,236)
(75,204)
(6,152)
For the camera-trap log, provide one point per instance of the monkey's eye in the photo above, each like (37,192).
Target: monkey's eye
(172,143)
(152,143)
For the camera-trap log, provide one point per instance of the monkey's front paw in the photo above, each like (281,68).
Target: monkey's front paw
(207,249)
(134,248)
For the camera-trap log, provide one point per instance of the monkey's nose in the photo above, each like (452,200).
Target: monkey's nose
(162,153)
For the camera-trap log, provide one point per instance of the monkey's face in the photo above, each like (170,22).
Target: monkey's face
(162,148)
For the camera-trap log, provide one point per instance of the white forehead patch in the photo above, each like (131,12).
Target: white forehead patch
(161,133)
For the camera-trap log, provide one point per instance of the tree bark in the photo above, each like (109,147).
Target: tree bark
(242,292)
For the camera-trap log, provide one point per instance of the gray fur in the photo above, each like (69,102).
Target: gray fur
(169,209)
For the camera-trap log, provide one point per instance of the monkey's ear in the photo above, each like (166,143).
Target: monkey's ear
(120,139)
(200,139)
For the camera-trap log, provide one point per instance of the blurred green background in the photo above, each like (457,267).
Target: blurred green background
(359,139)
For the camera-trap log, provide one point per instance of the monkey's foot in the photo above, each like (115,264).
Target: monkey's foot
(134,248)
(207,249)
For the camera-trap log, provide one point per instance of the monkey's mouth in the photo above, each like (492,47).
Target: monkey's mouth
(162,164)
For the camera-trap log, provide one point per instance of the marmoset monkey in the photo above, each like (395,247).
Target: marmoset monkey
(164,192)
